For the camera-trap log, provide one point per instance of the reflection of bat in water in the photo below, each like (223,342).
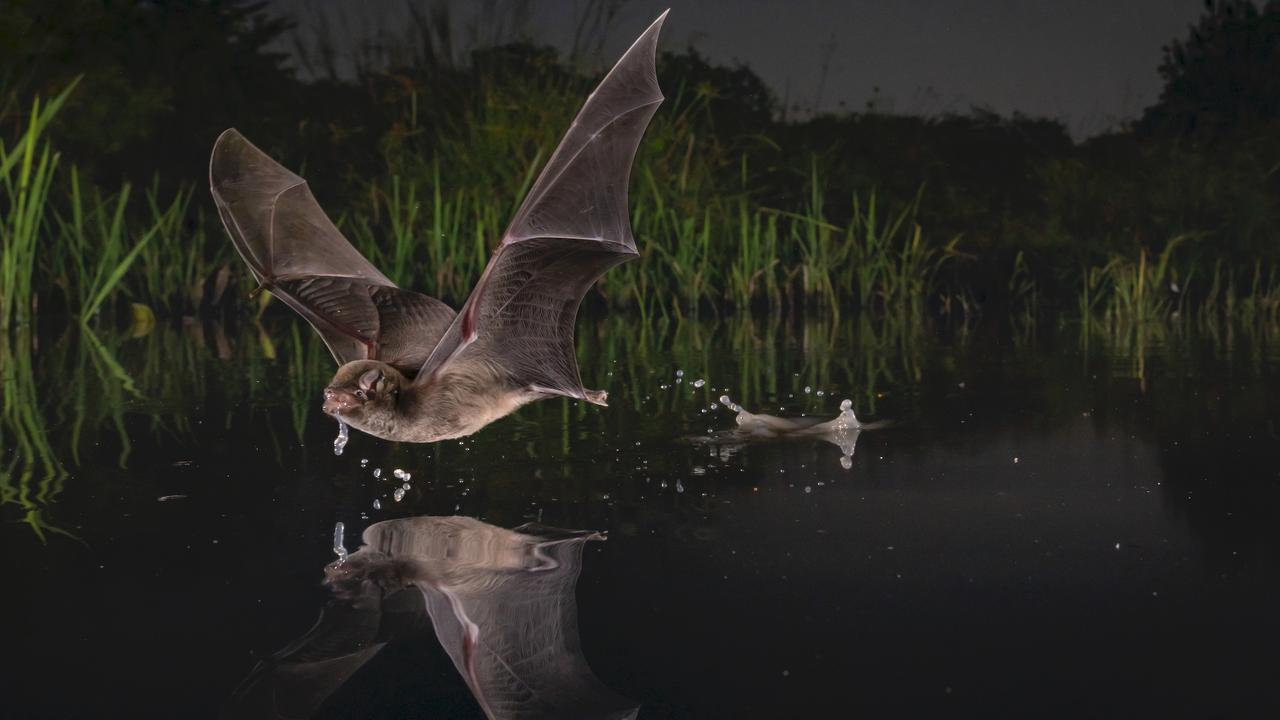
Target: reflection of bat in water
(842,430)
(501,603)
(410,368)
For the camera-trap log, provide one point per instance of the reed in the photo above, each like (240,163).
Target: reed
(182,265)
(26,172)
(1173,285)
(94,254)
(1141,289)
(432,216)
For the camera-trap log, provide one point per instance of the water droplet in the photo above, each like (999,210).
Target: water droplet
(377,472)
(679,486)
(338,548)
(340,442)
(398,494)
(807,389)
(377,504)
(699,383)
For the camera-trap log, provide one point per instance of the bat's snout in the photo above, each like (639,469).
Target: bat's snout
(337,401)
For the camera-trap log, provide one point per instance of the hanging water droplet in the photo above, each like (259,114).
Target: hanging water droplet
(377,504)
(340,442)
(338,548)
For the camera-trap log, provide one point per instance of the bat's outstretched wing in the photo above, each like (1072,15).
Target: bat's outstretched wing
(296,681)
(571,228)
(502,605)
(297,253)
(500,602)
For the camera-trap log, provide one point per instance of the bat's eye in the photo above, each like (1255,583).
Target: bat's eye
(360,393)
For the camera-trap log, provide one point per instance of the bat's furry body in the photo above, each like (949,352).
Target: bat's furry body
(462,399)
(412,369)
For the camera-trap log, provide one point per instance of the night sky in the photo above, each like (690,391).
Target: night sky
(1089,63)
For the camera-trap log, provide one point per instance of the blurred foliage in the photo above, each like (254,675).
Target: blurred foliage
(161,78)
(421,141)
(1223,78)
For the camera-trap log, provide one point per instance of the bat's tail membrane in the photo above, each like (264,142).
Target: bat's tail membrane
(595,397)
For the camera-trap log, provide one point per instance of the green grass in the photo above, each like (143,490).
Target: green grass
(431,219)
(26,172)
(1174,284)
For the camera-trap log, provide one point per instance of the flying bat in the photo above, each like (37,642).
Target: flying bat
(500,602)
(410,368)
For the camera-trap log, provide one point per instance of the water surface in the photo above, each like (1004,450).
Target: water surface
(1065,521)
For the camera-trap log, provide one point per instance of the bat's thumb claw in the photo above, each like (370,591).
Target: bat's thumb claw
(597,397)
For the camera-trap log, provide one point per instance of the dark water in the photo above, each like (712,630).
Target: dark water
(1062,522)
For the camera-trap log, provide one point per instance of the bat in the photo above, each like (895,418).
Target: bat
(500,602)
(410,368)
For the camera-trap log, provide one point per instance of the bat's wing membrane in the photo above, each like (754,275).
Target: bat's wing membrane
(502,605)
(296,681)
(297,253)
(571,228)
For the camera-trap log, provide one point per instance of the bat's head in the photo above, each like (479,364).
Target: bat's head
(363,394)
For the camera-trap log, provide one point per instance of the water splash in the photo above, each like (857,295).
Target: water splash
(846,420)
(340,442)
(842,430)
(725,401)
(339,548)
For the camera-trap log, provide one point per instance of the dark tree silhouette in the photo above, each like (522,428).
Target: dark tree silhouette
(1224,76)
(161,77)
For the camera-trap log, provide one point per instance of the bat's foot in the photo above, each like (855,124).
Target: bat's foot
(596,397)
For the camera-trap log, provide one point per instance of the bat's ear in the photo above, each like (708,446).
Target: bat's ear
(370,379)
